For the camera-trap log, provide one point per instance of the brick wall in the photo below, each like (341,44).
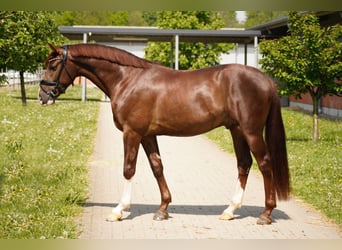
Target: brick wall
(327,101)
(332,102)
(330,105)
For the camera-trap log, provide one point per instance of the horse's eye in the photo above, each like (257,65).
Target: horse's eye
(52,68)
(52,64)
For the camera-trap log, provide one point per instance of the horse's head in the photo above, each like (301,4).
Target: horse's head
(57,77)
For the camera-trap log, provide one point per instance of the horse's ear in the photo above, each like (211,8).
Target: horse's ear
(54,48)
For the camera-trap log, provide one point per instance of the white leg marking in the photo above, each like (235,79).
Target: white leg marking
(235,203)
(125,201)
(127,193)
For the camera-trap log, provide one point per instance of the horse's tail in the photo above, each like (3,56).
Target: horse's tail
(275,139)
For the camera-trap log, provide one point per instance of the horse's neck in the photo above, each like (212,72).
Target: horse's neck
(96,72)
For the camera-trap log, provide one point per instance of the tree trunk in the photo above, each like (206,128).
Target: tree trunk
(315,131)
(22,87)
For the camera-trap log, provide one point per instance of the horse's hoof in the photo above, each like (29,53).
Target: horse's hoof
(161,215)
(264,220)
(227,216)
(113,217)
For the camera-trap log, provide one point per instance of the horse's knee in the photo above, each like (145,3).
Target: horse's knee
(243,174)
(129,172)
(244,167)
(245,162)
(265,164)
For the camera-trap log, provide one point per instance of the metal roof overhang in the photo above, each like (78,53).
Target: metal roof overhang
(110,34)
(279,27)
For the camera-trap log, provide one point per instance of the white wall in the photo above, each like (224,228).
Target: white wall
(235,56)
(136,48)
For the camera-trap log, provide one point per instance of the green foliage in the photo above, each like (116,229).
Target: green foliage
(43,165)
(315,167)
(150,17)
(23,38)
(3,79)
(230,20)
(308,60)
(116,18)
(258,17)
(191,55)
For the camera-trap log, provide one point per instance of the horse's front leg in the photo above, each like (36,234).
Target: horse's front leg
(150,146)
(131,147)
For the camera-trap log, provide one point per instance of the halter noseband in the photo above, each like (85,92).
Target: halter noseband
(60,89)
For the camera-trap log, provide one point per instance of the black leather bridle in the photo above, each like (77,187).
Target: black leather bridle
(58,88)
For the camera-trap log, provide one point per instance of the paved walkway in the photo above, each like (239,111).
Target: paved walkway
(201,179)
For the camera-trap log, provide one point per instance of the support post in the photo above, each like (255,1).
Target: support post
(84,80)
(246,51)
(236,52)
(176,51)
(256,52)
(171,54)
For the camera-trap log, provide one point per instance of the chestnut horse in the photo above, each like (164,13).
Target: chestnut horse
(148,100)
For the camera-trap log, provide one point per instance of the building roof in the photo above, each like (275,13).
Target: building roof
(279,27)
(129,34)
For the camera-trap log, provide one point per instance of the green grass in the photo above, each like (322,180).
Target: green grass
(315,167)
(43,163)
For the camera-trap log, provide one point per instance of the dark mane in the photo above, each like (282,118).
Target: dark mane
(108,53)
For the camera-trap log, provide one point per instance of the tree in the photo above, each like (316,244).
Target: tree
(150,17)
(116,18)
(259,17)
(308,60)
(191,55)
(23,41)
(91,18)
(230,20)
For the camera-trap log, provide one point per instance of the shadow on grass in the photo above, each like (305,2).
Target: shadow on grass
(309,140)
(64,99)
(298,139)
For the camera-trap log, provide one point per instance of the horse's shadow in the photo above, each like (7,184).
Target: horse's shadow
(245,211)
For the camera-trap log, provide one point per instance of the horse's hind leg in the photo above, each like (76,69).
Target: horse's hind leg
(261,154)
(150,146)
(244,162)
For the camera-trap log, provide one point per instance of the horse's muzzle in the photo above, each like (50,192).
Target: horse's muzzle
(44,98)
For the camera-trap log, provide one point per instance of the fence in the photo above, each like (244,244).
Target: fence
(12,78)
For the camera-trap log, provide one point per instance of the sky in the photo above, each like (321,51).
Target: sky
(241,16)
